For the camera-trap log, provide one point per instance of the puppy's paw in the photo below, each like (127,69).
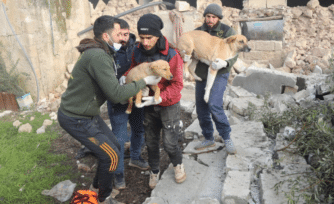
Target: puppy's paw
(139,105)
(206,98)
(186,58)
(197,78)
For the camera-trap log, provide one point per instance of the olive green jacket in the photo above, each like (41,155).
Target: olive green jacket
(93,81)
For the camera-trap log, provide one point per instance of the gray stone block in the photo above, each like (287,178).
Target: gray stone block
(240,105)
(236,187)
(154,200)
(260,81)
(251,143)
(269,178)
(239,92)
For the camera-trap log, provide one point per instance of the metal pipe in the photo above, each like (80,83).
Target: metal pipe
(130,11)
(24,51)
(52,38)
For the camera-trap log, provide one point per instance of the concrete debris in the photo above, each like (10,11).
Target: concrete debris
(25,128)
(263,81)
(62,191)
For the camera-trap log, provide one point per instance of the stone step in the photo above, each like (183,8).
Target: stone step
(203,184)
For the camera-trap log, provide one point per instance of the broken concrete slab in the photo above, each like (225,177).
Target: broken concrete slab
(237,162)
(226,101)
(190,149)
(236,187)
(200,182)
(323,88)
(281,102)
(187,106)
(213,180)
(241,105)
(251,143)
(293,163)
(269,178)
(329,97)
(300,95)
(260,81)
(239,92)
(154,200)
(290,90)
(205,201)
(195,129)
(234,120)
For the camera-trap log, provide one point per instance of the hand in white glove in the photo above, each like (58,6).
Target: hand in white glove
(152,80)
(149,100)
(122,80)
(218,64)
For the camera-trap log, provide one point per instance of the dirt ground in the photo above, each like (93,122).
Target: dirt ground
(137,188)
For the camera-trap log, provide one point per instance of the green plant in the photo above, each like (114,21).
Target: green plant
(9,80)
(314,137)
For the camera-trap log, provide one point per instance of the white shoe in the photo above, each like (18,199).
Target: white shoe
(180,174)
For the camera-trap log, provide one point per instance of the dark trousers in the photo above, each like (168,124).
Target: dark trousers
(214,108)
(119,120)
(166,119)
(96,136)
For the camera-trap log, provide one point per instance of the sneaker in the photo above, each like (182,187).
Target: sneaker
(230,147)
(205,144)
(119,181)
(109,200)
(180,174)
(139,163)
(96,190)
(154,178)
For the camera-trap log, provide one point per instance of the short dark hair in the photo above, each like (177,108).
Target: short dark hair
(123,24)
(103,24)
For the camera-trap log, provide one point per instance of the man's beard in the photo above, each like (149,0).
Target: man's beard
(123,43)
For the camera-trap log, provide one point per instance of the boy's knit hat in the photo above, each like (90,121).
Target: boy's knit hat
(150,24)
(214,9)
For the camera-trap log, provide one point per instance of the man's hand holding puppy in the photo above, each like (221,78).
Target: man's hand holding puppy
(219,64)
(152,80)
(148,101)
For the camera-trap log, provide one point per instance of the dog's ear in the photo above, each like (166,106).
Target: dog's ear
(231,39)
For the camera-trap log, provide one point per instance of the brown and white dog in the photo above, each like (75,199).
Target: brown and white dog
(199,45)
(157,68)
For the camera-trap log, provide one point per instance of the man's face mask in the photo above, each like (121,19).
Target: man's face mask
(115,46)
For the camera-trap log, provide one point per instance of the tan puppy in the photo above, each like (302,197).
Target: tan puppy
(157,68)
(199,45)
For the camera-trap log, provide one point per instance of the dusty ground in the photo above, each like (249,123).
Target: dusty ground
(137,182)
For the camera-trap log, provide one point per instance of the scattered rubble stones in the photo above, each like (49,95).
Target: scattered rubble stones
(25,128)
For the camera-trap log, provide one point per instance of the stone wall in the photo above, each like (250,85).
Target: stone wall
(264,52)
(263,3)
(31,22)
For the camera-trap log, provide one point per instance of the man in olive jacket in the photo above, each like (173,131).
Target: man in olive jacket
(212,25)
(93,81)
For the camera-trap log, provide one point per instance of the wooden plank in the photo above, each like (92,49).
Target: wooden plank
(10,101)
(260,19)
(2,103)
